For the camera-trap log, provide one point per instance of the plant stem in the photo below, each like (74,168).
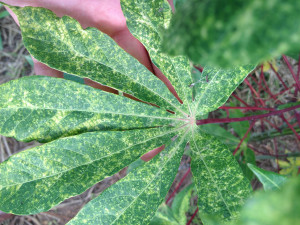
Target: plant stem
(244,137)
(240,100)
(278,76)
(290,126)
(254,93)
(178,185)
(247,118)
(246,108)
(193,216)
(292,71)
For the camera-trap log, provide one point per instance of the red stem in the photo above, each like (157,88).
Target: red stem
(193,216)
(255,117)
(292,72)
(254,92)
(178,185)
(278,76)
(298,71)
(264,153)
(290,126)
(246,108)
(267,89)
(273,125)
(245,136)
(280,93)
(239,99)
(298,76)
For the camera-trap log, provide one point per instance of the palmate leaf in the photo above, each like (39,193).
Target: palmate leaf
(37,179)
(216,86)
(270,180)
(62,44)
(221,185)
(46,108)
(146,20)
(234,32)
(134,199)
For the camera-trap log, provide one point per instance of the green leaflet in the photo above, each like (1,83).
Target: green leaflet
(37,179)
(222,134)
(235,32)
(147,20)
(221,185)
(270,180)
(46,108)
(135,199)
(62,44)
(280,207)
(216,86)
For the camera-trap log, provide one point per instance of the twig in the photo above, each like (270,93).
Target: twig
(247,118)
(292,72)
(178,185)
(193,216)
(244,137)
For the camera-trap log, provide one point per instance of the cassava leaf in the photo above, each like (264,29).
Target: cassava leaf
(35,180)
(61,43)
(46,108)
(270,180)
(147,20)
(134,199)
(235,32)
(221,185)
(222,134)
(216,86)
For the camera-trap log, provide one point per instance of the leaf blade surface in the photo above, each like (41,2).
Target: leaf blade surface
(46,108)
(134,199)
(35,180)
(270,180)
(221,185)
(61,43)
(147,20)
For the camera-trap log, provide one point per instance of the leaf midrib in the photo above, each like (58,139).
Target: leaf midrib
(259,172)
(161,168)
(92,161)
(210,174)
(113,69)
(90,111)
